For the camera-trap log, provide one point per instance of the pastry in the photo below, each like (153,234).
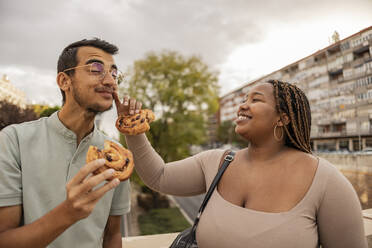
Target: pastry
(116,156)
(135,124)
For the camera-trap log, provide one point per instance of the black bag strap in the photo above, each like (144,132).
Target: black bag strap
(228,158)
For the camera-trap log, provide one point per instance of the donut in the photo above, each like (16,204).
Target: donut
(135,124)
(117,158)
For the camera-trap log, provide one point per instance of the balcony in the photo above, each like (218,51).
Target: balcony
(164,240)
(330,134)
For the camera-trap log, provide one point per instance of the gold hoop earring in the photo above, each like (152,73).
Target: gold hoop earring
(281,136)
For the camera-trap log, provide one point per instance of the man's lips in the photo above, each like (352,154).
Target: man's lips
(105,92)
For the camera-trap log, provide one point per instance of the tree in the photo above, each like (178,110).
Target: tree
(45,110)
(12,114)
(49,111)
(226,135)
(182,92)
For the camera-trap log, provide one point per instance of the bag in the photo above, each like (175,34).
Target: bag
(186,239)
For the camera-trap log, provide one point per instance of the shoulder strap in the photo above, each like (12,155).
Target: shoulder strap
(226,162)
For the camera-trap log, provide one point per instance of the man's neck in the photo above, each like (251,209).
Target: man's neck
(81,122)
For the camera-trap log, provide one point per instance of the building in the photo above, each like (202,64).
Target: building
(338,83)
(10,93)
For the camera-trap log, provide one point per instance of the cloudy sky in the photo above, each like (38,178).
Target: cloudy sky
(241,39)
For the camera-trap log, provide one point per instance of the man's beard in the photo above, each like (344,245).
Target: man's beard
(94,108)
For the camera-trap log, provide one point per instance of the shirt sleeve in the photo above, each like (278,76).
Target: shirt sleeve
(10,169)
(183,178)
(121,200)
(340,221)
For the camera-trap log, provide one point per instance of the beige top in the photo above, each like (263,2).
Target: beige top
(329,214)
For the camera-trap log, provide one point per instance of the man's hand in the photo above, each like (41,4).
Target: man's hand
(81,198)
(128,106)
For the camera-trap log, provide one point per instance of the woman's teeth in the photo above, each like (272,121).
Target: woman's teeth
(241,117)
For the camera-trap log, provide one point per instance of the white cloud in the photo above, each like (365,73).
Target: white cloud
(39,85)
(243,39)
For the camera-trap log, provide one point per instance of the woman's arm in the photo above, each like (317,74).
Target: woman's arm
(184,177)
(339,218)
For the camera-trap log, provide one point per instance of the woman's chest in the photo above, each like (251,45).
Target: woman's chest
(223,224)
(267,190)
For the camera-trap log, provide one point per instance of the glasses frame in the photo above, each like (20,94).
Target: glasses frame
(119,75)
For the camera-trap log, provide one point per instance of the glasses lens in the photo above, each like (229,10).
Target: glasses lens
(96,67)
(114,73)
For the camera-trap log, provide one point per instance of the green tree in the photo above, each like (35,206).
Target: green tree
(44,110)
(182,91)
(49,111)
(226,135)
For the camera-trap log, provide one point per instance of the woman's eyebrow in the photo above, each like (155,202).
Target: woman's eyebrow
(257,93)
(254,93)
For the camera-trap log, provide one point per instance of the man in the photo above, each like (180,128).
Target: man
(48,195)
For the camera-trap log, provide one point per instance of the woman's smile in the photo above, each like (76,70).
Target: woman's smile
(242,118)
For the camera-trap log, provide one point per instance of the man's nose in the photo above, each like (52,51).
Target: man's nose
(109,79)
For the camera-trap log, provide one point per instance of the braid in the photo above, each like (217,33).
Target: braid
(299,127)
(290,100)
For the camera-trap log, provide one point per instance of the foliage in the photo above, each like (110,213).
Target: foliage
(13,114)
(162,220)
(49,111)
(38,108)
(182,92)
(151,199)
(226,135)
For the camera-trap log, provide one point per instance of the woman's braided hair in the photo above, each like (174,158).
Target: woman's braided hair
(292,101)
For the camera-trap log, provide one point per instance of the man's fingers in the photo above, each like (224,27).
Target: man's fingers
(86,170)
(95,180)
(98,193)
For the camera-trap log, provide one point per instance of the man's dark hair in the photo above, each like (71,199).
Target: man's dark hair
(68,59)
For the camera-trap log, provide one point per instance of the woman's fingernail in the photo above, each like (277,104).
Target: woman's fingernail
(110,171)
(116,182)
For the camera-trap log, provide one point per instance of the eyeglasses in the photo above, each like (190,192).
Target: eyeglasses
(98,69)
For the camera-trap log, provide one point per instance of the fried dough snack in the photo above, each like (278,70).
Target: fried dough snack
(116,156)
(135,124)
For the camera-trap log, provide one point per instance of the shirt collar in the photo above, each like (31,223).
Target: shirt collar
(68,134)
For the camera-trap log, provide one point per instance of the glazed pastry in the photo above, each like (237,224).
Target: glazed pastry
(135,124)
(116,156)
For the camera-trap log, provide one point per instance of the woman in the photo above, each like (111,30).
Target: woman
(275,193)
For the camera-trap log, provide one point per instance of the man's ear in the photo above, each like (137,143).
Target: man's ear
(284,119)
(63,81)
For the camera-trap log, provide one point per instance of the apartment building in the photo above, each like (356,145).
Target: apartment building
(338,83)
(10,93)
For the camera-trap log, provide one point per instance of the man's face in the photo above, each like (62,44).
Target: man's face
(92,90)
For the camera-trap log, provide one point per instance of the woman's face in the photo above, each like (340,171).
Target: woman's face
(257,115)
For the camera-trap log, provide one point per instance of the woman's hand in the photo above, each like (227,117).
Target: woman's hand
(129,106)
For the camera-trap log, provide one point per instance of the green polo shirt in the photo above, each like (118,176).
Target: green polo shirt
(37,159)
